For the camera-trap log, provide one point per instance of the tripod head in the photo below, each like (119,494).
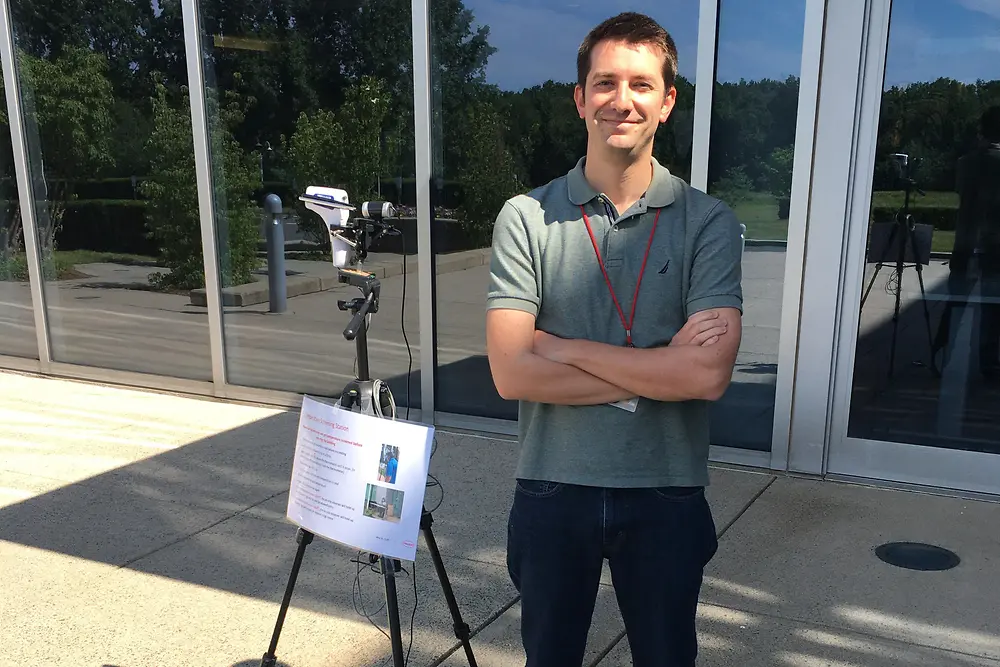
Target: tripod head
(361,306)
(905,166)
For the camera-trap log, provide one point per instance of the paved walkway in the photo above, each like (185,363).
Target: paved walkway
(147,529)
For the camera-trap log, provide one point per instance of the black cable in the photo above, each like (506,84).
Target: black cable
(436,482)
(402,325)
(357,593)
(413,616)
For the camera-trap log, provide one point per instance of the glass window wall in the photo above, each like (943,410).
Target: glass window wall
(754,108)
(113,180)
(17,320)
(300,95)
(927,362)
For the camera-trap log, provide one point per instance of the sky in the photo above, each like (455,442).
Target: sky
(537,39)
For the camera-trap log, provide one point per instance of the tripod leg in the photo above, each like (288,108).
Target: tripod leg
(303,537)
(392,605)
(461,627)
(927,312)
(871,283)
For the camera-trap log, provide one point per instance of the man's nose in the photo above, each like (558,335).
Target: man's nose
(623,97)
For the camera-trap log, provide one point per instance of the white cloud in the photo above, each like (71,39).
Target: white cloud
(988,7)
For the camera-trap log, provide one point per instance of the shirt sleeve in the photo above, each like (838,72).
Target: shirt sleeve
(716,265)
(513,276)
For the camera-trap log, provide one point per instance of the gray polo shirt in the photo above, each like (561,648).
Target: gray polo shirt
(544,263)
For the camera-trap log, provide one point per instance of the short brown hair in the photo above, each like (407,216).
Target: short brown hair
(631,28)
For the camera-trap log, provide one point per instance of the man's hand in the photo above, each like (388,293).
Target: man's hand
(550,347)
(703,328)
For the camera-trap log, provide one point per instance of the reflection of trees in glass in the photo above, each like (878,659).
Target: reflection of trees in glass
(752,145)
(487,177)
(343,148)
(68,102)
(173,194)
(503,143)
(934,122)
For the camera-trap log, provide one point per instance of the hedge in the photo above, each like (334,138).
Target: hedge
(106,225)
(943,218)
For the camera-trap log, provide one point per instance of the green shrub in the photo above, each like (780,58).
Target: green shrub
(174,216)
(944,218)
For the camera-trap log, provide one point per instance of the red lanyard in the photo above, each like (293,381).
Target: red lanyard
(621,314)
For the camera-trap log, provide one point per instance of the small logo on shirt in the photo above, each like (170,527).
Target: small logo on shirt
(665,267)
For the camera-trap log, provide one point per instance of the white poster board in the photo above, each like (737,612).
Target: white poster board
(359,479)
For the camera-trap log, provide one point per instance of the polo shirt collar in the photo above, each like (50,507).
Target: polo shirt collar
(659,194)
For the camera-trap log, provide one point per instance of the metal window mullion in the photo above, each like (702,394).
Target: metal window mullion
(837,125)
(424,172)
(795,247)
(25,192)
(202,162)
(704,85)
(874,51)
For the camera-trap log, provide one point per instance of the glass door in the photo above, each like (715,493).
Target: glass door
(918,382)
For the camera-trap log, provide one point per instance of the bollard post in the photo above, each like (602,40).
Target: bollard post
(274,234)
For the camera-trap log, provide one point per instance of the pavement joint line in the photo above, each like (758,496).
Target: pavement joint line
(475,631)
(180,539)
(719,534)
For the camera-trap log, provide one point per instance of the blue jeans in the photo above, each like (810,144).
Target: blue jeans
(657,542)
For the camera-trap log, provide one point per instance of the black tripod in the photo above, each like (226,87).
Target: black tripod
(903,234)
(359,393)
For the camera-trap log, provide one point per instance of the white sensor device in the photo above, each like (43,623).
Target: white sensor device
(333,205)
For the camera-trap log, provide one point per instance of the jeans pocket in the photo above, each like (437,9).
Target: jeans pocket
(537,488)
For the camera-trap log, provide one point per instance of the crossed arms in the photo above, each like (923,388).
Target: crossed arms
(532,365)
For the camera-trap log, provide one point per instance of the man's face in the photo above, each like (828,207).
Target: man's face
(625,98)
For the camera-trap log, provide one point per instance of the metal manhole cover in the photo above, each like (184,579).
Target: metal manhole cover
(917,556)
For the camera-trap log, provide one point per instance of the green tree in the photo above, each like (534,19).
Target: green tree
(172,190)
(488,176)
(341,149)
(67,109)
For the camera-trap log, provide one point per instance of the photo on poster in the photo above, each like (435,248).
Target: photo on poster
(383,503)
(388,464)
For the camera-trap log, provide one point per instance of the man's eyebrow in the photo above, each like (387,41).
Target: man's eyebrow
(612,75)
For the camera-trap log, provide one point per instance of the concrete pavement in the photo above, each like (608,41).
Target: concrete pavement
(139,529)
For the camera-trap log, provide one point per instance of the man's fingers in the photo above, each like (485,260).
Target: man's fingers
(704,337)
(703,315)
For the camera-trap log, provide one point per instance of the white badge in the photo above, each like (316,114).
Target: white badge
(628,405)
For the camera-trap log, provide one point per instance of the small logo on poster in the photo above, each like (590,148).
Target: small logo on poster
(408,543)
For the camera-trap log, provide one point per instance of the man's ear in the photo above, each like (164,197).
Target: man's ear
(580,103)
(668,104)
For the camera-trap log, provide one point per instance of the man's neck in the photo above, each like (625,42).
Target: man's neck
(623,179)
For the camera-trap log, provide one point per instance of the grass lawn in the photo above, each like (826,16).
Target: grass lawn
(760,214)
(896,198)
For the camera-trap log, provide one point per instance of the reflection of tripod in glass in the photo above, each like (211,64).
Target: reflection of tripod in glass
(911,243)
(360,394)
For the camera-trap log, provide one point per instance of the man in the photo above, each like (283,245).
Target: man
(390,469)
(614,318)
(976,253)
